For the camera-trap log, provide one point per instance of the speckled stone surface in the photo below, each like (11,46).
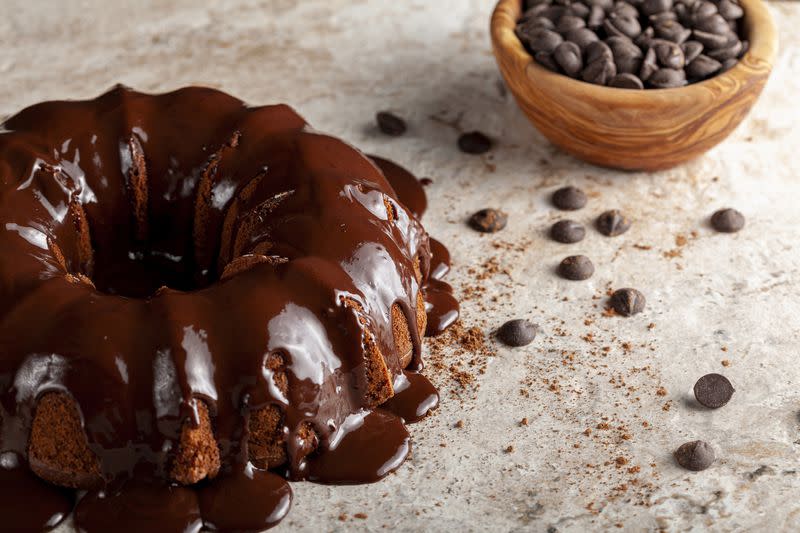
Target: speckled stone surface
(607,399)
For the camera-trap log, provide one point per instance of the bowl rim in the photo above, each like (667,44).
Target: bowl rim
(759,26)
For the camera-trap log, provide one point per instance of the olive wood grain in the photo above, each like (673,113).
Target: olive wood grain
(649,129)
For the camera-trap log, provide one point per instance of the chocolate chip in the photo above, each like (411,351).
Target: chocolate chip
(569,198)
(567,232)
(519,332)
(672,30)
(612,223)
(627,302)
(488,220)
(691,49)
(626,80)
(696,455)
(390,124)
(727,220)
(474,142)
(669,54)
(713,391)
(727,52)
(576,268)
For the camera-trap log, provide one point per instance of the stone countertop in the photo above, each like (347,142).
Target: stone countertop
(606,399)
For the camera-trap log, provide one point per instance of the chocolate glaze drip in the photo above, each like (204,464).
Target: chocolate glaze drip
(158,252)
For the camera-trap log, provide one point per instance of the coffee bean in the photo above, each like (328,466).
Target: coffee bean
(605,5)
(644,39)
(597,50)
(569,198)
(667,78)
(651,7)
(576,268)
(596,17)
(672,31)
(727,65)
(669,54)
(516,333)
(546,60)
(599,72)
(579,10)
(612,223)
(712,40)
(649,65)
(622,25)
(569,22)
(581,36)
(534,23)
(730,10)
(696,455)
(624,9)
(390,124)
(691,49)
(727,220)
(713,391)
(542,40)
(627,56)
(568,56)
(663,17)
(627,302)
(713,24)
(626,81)
(702,10)
(702,67)
(554,12)
(728,52)
(567,232)
(474,142)
(488,220)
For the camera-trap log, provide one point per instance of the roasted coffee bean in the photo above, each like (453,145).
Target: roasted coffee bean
(543,40)
(702,10)
(569,198)
(597,50)
(569,58)
(576,268)
(612,223)
(596,17)
(474,142)
(599,71)
(627,302)
(712,41)
(390,124)
(622,25)
(532,24)
(605,5)
(669,54)
(691,49)
(567,232)
(546,60)
(651,7)
(730,10)
(644,39)
(663,17)
(516,333)
(649,65)
(729,52)
(554,12)
(702,67)
(626,81)
(579,10)
(727,65)
(627,56)
(713,24)
(713,391)
(626,10)
(488,220)
(581,36)
(672,30)
(667,78)
(697,455)
(727,220)
(569,22)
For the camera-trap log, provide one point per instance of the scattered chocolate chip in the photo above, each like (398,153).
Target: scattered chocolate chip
(696,455)
(627,302)
(727,220)
(474,142)
(713,391)
(612,223)
(390,124)
(488,220)
(569,198)
(576,268)
(567,232)
(519,332)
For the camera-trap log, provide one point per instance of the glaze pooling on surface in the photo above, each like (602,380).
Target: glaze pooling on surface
(152,260)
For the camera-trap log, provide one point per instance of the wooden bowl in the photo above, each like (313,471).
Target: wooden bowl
(649,129)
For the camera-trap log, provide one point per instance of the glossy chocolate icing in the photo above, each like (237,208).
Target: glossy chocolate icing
(165,192)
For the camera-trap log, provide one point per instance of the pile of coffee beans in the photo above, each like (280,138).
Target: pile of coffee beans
(634,44)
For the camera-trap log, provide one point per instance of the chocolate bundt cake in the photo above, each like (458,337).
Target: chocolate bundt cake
(188,284)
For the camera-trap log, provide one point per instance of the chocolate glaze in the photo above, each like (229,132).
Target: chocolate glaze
(28,504)
(154,199)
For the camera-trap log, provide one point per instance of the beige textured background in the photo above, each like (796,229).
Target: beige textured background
(340,61)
